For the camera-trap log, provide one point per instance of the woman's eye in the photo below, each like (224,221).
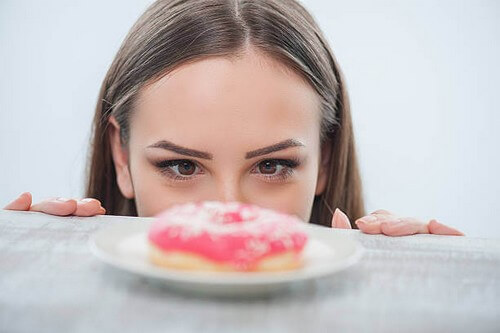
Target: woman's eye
(276,169)
(269,167)
(178,169)
(186,168)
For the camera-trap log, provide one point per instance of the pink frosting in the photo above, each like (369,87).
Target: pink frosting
(233,233)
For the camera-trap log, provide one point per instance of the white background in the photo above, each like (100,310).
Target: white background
(423,77)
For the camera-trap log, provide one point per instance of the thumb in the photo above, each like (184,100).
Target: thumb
(23,202)
(340,220)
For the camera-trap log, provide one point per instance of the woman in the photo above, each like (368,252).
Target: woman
(232,101)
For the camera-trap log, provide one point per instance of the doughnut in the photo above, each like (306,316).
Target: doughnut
(226,236)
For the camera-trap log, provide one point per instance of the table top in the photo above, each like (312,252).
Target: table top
(50,282)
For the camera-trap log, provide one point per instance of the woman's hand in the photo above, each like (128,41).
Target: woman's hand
(384,222)
(58,206)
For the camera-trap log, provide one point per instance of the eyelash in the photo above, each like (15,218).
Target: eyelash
(288,166)
(165,168)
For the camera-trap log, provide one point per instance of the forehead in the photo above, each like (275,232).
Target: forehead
(252,97)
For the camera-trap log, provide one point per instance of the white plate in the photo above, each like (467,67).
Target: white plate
(125,246)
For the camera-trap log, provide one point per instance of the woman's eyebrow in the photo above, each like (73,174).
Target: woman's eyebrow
(276,147)
(167,145)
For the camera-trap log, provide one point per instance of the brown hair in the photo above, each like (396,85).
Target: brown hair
(173,32)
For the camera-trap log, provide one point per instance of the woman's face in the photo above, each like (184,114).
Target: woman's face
(244,129)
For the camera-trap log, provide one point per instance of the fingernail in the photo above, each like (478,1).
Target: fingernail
(338,211)
(62,199)
(359,222)
(368,219)
(87,200)
(334,224)
(342,215)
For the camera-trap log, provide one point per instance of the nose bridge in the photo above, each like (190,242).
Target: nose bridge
(229,189)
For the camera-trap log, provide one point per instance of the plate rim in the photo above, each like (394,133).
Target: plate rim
(220,278)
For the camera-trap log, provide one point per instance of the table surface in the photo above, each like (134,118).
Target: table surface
(50,282)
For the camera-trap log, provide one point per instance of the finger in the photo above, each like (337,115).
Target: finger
(340,220)
(59,206)
(369,224)
(89,207)
(404,227)
(381,212)
(23,202)
(440,229)
(372,224)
